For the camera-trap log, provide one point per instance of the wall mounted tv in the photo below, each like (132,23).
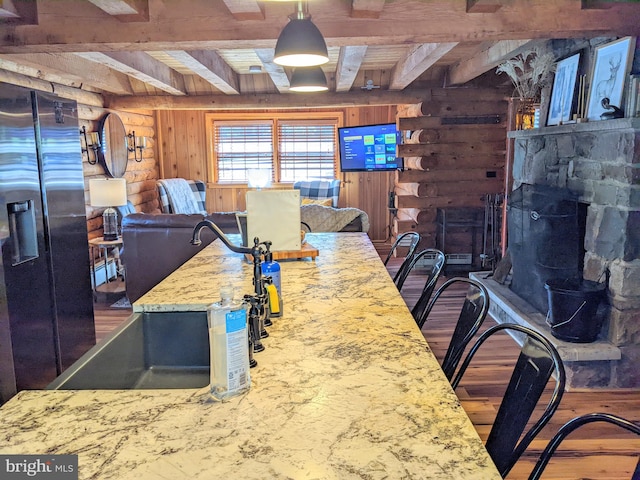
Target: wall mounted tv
(369,148)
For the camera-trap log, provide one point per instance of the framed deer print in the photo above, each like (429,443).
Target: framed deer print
(610,69)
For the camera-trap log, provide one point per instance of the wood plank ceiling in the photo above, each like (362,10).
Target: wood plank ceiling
(202,53)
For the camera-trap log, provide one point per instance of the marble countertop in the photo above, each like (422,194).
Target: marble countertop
(346,388)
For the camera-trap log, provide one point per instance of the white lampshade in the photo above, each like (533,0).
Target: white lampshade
(107,192)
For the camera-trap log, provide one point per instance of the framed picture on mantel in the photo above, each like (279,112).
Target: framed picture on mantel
(610,69)
(563,92)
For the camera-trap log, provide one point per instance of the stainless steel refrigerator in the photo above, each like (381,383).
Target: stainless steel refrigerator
(46,303)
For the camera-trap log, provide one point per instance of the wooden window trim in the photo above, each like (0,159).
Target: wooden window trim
(252,118)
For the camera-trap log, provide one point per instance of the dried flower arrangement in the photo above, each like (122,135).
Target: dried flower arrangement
(529,71)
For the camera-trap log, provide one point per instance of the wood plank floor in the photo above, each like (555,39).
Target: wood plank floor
(597,451)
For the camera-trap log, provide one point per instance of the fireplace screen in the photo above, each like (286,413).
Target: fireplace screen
(546,240)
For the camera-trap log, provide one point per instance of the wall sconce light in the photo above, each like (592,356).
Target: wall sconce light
(300,43)
(136,143)
(93,143)
(308,79)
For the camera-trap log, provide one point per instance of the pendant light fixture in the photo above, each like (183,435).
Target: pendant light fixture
(308,79)
(300,43)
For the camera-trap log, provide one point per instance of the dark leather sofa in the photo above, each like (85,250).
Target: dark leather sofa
(154,245)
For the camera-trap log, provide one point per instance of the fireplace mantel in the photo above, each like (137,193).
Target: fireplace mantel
(616,124)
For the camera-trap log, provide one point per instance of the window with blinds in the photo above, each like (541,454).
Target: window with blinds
(289,149)
(306,150)
(242,146)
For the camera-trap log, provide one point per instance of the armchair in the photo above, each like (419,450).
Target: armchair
(319,190)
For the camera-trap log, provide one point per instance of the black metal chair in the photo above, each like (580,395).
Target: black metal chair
(572,425)
(437,265)
(538,359)
(414,239)
(472,314)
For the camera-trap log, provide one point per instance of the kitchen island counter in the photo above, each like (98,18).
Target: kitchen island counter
(346,388)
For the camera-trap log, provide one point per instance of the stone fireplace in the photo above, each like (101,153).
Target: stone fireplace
(599,164)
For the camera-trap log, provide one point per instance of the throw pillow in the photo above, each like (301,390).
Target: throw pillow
(326,202)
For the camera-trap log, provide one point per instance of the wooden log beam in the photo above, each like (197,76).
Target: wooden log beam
(276,72)
(263,101)
(465,149)
(125,10)
(488,59)
(450,175)
(69,66)
(366,8)
(455,187)
(456,135)
(245,9)
(81,96)
(477,122)
(141,66)
(452,161)
(441,202)
(349,61)
(416,62)
(211,67)
(401,226)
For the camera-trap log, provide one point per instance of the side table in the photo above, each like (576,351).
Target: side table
(107,249)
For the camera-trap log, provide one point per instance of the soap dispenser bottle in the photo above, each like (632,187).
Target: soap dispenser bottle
(229,349)
(271,268)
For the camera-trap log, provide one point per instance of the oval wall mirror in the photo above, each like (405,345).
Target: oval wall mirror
(113,140)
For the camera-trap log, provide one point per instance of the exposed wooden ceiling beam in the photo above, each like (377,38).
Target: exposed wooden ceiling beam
(485,6)
(366,8)
(349,61)
(275,100)
(143,67)
(245,9)
(487,59)
(417,61)
(276,72)
(75,68)
(210,66)
(125,10)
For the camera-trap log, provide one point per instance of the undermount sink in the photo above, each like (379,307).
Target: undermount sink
(149,350)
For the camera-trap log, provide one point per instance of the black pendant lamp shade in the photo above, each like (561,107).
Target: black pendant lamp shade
(308,79)
(300,43)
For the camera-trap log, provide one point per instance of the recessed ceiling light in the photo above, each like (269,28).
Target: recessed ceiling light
(255,69)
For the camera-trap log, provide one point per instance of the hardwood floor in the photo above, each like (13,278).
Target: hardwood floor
(597,451)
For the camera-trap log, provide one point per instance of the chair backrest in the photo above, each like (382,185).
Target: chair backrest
(437,265)
(473,312)
(412,238)
(319,190)
(538,359)
(199,189)
(569,427)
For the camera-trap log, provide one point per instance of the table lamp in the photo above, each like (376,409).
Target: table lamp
(108,192)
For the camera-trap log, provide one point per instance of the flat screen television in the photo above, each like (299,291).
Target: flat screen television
(369,148)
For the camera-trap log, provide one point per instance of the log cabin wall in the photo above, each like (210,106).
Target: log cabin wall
(182,152)
(454,155)
(140,176)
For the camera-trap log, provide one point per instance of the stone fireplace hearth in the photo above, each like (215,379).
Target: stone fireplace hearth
(599,162)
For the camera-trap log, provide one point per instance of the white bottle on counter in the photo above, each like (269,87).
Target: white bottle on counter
(229,348)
